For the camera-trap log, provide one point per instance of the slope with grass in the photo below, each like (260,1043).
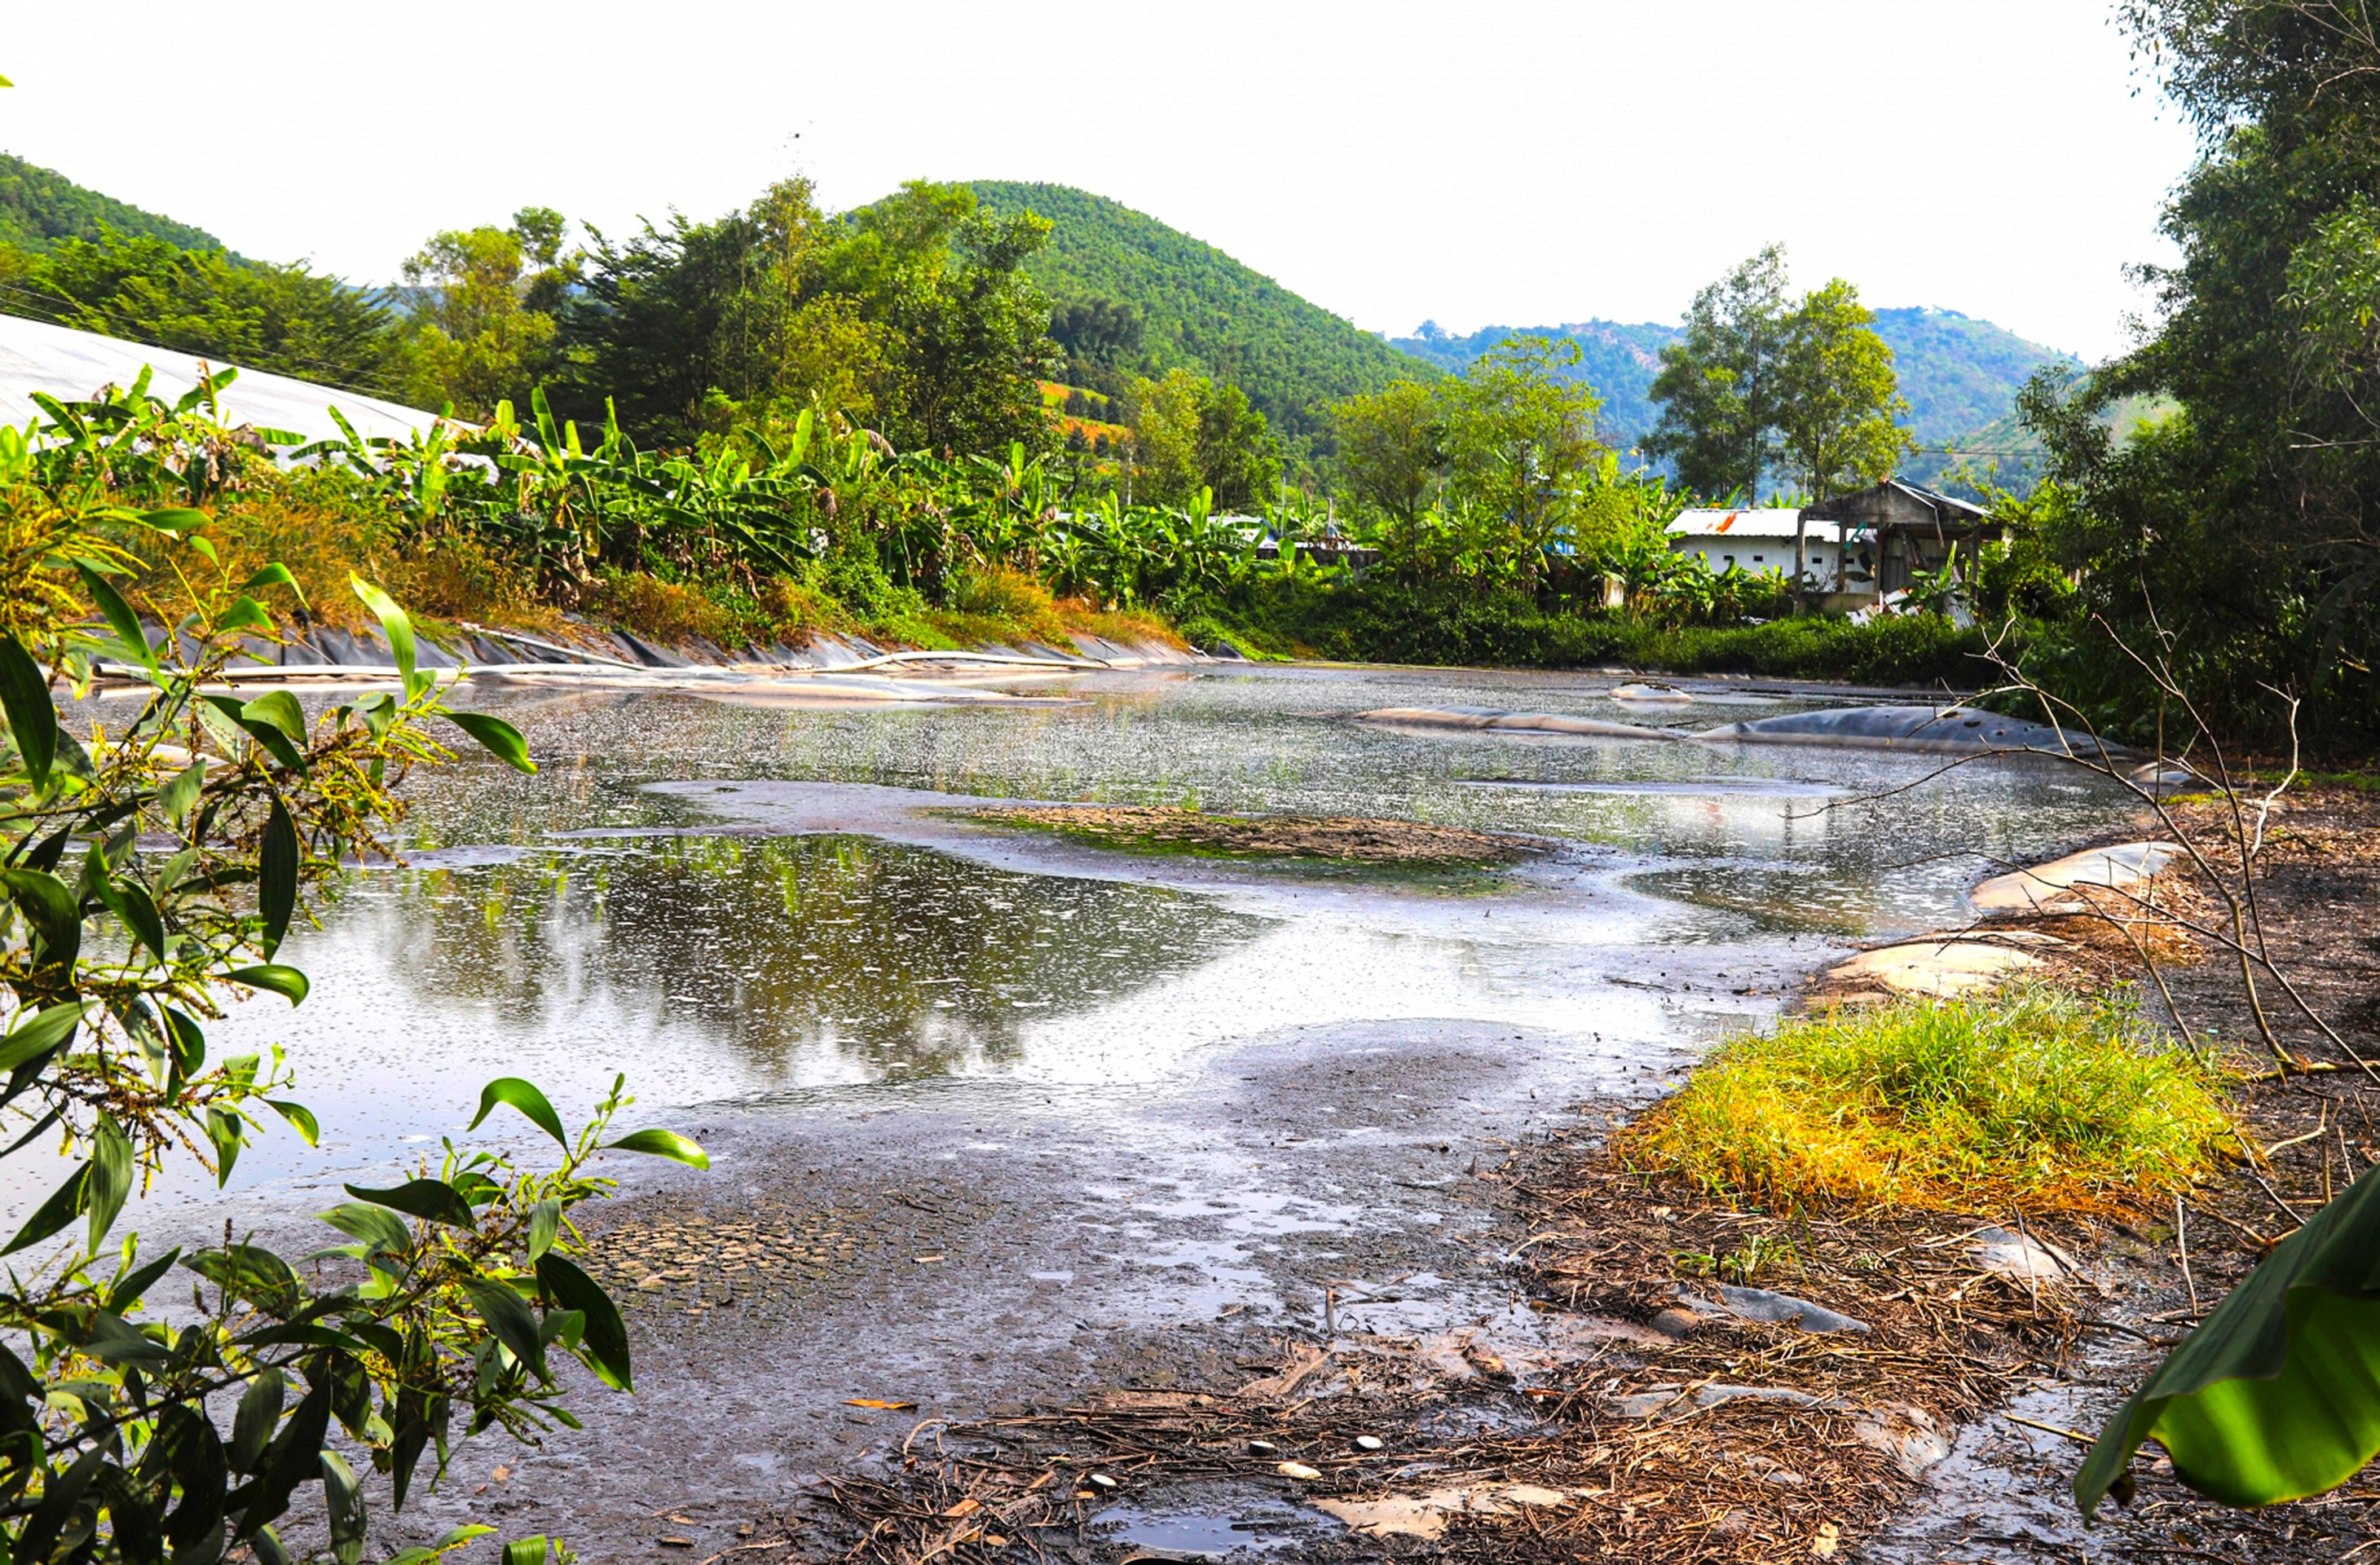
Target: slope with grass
(39,206)
(1201,309)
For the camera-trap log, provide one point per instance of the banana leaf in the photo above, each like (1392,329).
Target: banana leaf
(2277,1395)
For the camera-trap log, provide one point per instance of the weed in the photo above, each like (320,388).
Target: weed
(2034,1098)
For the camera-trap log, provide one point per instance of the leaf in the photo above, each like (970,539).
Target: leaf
(25,700)
(301,1119)
(544,1226)
(393,624)
(172,520)
(136,910)
(432,1199)
(453,1540)
(525,1097)
(50,908)
(2277,1394)
(498,738)
(606,1339)
(127,1290)
(65,1205)
(268,736)
(343,1498)
(250,1272)
(258,1415)
(111,1177)
(663,1143)
(181,792)
(228,1133)
(875,1401)
(280,708)
(246,615)
(277,863)
(272,976)
(527,1551)
(508,1316)
(373,1225)
(120,618)
(43,1031)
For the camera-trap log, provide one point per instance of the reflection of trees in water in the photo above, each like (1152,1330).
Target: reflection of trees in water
(895,955)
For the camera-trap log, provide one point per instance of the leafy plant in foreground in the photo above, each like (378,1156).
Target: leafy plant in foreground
(148,872)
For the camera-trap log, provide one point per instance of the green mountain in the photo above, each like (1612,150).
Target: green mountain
(39,205)
(1185,304)
(1959,375)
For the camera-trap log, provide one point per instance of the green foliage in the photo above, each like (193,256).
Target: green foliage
(209,303)
(1191,434)
(1195,307)
(1757,384)
(484,302)
(2277,1395)
(2034,1098)
(152,866)
(39,206)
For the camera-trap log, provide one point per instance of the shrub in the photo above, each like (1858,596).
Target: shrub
(2033,1098)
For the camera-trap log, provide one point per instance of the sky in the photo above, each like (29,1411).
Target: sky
(1488,163)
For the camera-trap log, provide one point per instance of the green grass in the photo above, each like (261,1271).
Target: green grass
(2033,1098)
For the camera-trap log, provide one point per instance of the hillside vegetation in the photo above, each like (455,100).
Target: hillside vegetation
(39,206)
(1199,308)
(1958,374)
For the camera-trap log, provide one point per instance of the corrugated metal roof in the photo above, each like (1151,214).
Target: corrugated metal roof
(1765,523)
(70,365)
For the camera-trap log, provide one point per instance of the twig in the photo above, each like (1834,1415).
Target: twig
(2181,1234)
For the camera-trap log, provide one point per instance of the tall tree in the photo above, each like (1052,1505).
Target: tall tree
(484,302)
(1392,449)
(1717,403)
(1190,434)
(1833,396)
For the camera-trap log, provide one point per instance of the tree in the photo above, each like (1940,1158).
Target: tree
(1392,450)
(1190,434)
(484,304)
(283,319)
(183,840)
(1833,395)
(1521,443)
(1717,403)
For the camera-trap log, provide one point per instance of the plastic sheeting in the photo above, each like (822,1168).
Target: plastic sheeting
(72,365)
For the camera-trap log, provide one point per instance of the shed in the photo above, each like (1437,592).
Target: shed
(1761,540)
(1910,529)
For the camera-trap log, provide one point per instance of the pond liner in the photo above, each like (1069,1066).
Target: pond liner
(1509,722)
(1931,730)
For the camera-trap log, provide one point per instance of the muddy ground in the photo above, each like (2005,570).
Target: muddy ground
(976,1337)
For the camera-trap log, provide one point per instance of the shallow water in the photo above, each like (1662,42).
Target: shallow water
(770,910)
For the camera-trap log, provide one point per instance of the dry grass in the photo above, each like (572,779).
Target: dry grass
(2034,1098)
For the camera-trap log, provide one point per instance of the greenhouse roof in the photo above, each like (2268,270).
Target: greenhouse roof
(73,364)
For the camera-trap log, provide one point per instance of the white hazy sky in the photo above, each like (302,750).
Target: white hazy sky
(1490,162)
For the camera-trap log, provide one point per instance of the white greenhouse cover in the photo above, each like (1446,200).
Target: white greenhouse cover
(72,366)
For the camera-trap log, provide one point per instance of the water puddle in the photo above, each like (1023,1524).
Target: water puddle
(1254,1528)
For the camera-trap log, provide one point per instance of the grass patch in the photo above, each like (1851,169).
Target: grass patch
(1403,851)
(2032,1098)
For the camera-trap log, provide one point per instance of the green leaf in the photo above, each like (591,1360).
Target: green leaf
(343,1498)
(456,1540)
(258,1416)
(433,1199)
(544,1226)
(508,1316)
(280,708)
(120,617)
(250,1272)
(245,615)
(228,1133)
(301,1119)
(268,736)
(663,1143)
(527,1551)
(498,738)
(25,700)
(273,975)
(275,574)
(173,519)
(373,1225)
(606,1339)
(63,1207)
(136,910)
(393,624)
(175,798)
(111,1177)
(2277,1395)
(51,909)
(126,1292)
(525,1097)
(278,860)
(37,1034)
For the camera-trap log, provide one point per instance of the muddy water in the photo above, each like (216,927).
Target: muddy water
(994,1114)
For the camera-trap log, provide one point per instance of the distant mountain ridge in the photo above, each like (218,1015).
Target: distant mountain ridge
(1960,374)
(40,206)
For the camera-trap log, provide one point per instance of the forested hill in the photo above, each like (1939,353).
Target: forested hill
(39,205)
(1198,308)
(1958,374)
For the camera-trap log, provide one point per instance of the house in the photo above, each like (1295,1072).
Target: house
(1758,541)
(1908,530)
